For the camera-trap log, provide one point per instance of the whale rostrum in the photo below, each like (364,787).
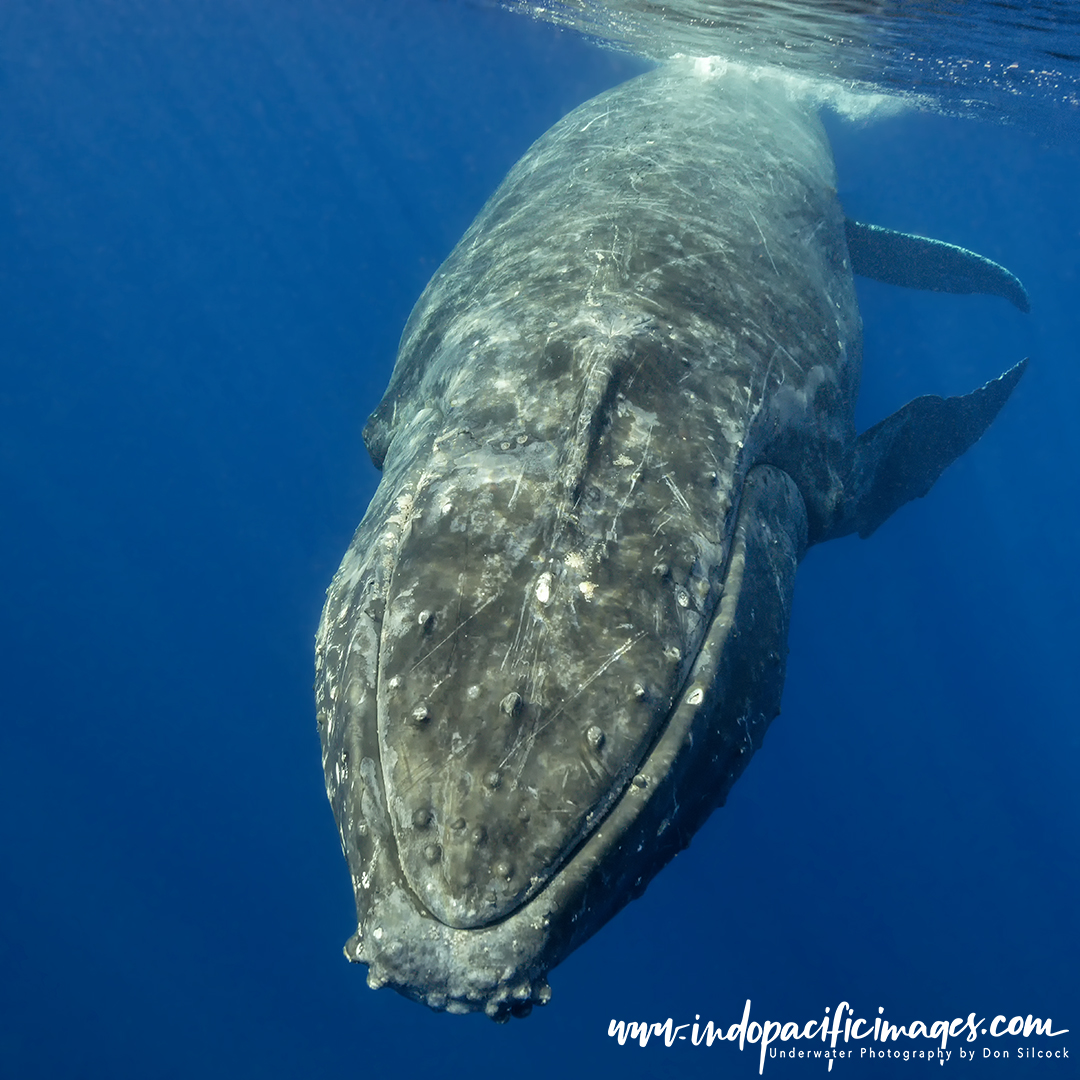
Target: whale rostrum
(621,412)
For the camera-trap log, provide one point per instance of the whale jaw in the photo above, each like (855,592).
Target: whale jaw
(647,812)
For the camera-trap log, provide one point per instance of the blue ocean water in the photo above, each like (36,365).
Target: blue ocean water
(214,220)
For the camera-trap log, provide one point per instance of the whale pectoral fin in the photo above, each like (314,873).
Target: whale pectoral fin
(918,262)
(900,458)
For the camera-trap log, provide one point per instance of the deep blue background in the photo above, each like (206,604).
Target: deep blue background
(214,220)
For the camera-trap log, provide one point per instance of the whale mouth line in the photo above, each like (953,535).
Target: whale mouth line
(704,741)
(623,805)
(471,756)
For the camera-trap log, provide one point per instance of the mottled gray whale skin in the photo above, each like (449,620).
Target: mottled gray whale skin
(621,411)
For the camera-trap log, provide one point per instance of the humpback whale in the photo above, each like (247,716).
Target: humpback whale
(621,412)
